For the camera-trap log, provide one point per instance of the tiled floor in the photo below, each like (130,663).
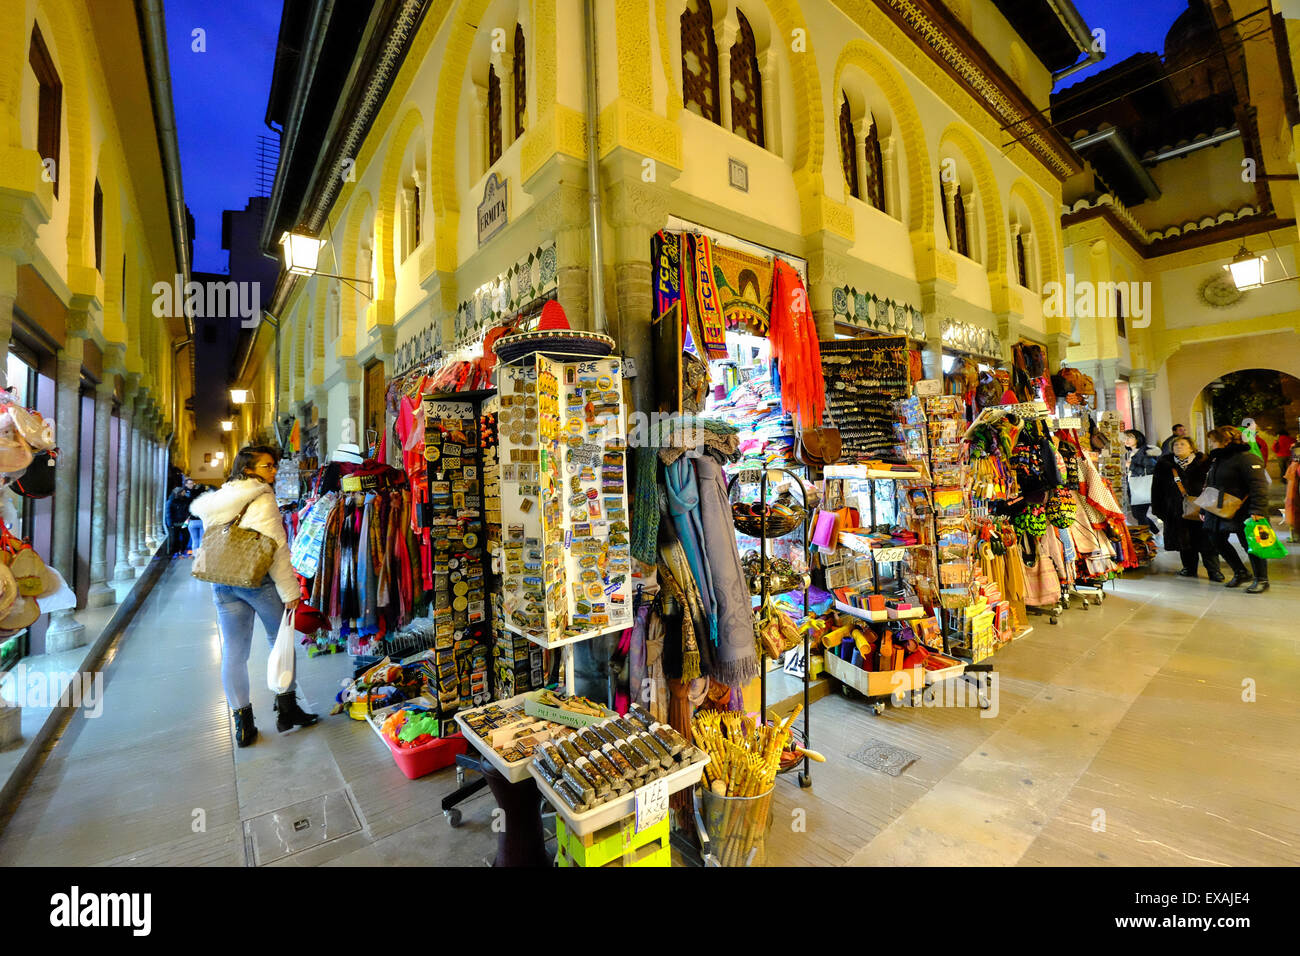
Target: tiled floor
(1157,729)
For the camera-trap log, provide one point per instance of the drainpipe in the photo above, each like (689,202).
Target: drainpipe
(149,14)
(597,309)
(1079,32)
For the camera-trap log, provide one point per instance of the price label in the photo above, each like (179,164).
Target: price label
(651,804)
(1073,422)
(929,387)
(885,555)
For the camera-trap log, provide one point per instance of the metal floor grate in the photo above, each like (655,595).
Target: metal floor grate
(300,826)
(884,757)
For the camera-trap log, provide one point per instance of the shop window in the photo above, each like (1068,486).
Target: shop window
(699,61)
(520,82)
(49,102)
(746,85)
(875,171)
(494,115)
(848,150)
(99,227)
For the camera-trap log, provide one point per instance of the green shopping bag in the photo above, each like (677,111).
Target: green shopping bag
(1262,541)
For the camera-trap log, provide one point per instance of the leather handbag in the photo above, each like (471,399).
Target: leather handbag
(234,556)
(1191,510)
(38,480)
(818,446)
(1219,503)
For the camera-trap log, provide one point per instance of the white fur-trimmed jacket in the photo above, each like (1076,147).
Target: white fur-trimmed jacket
(220,507)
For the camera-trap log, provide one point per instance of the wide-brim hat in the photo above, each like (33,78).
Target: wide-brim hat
(8,589)
(552,337)
(33,428)
(23,613)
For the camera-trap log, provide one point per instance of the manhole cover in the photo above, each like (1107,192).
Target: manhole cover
(881,756)
(300,826)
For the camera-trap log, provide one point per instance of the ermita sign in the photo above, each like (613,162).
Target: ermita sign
(494,210)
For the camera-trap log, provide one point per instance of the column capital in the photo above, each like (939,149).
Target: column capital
(107,388)
(115,361)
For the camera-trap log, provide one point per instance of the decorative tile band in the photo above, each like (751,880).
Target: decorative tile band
(866,310)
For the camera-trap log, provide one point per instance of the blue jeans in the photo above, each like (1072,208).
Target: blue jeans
(235,610)
(196,533)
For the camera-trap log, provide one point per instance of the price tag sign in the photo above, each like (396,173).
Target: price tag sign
(886,555)
(929,387)
(1073,422)
(651,804)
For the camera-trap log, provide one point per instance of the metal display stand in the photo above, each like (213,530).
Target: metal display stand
(805,776)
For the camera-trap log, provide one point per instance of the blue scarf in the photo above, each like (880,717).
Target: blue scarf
(684,505)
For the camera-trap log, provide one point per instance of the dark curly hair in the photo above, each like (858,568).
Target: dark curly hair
(247,456)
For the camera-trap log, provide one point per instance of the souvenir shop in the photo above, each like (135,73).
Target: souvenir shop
(814,506)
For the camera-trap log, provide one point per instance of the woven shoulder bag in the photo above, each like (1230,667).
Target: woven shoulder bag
(234,556)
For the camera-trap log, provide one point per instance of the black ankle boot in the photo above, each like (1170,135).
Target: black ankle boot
(245,729)
(1216,576)
(1238,579)
(289,715)
(1259,587)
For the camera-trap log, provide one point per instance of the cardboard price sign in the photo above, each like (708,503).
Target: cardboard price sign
(651,804)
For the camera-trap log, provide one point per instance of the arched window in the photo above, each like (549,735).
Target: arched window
(520,79)
(848,148)
(49,102)
(875,171)
(494,115)
(746,85)
(700,61)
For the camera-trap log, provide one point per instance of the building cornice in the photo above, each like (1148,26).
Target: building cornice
(947,41)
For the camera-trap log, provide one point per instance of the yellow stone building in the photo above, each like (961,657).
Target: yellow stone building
(91,216)
(899,147)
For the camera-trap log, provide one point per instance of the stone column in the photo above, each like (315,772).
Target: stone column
(725,35)
(123,572)
(155,537)
(974,233)
(139,556)
(767,68)
(861,130)
(637,210)
(100,593)
(65,631)
(950,220)
(888,153)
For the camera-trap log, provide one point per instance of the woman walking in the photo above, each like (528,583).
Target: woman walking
(1181,473)
(250,490)
(1235,470)
(1139,463)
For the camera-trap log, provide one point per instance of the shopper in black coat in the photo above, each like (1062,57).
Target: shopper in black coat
(178,516)
(1141,462)
(1186,466)
(1236,470)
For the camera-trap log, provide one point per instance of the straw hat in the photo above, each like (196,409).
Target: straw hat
(15,453)
(32,428)
(28,570)
(24,613)
(552,337)
(8,590)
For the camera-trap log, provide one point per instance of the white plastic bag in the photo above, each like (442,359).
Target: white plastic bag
(1139,489)
(280,665)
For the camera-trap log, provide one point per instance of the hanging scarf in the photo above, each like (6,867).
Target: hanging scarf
(675,576)
(794,347)
(712,324)
(684,506)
